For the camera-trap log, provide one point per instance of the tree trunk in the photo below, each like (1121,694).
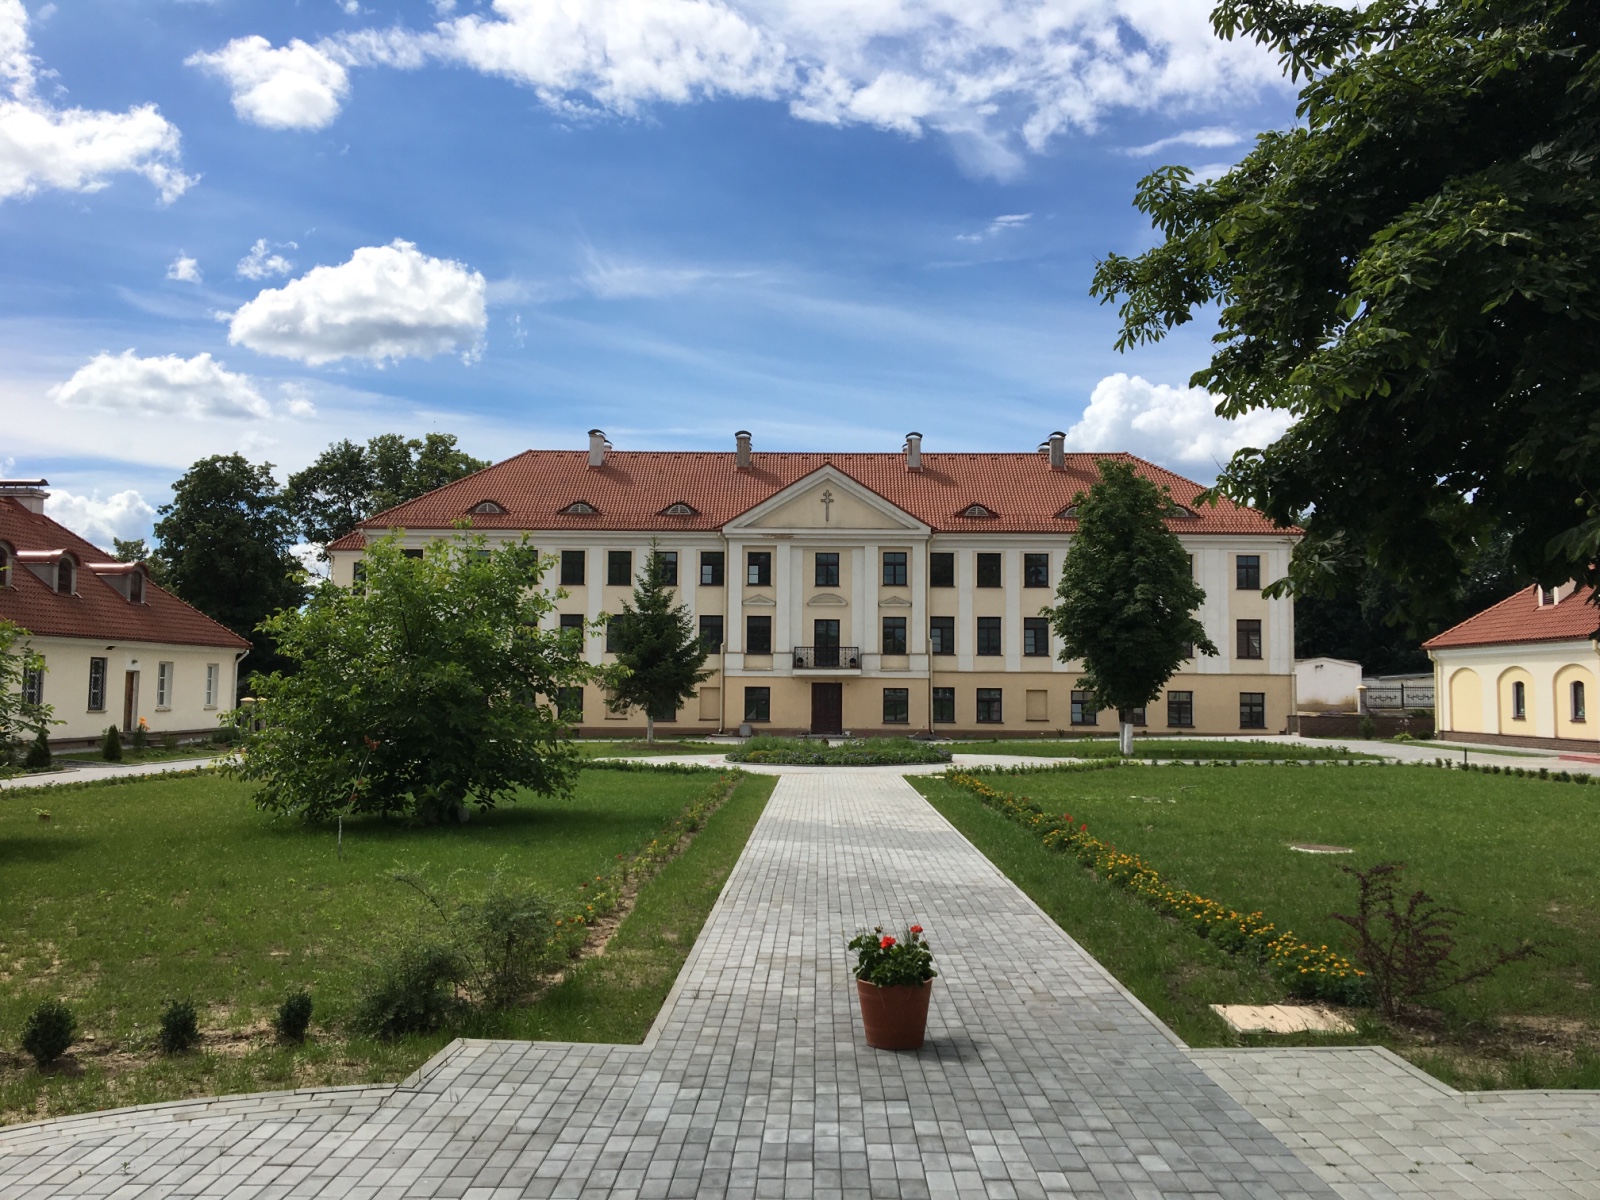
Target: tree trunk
(649,727)
(1125,737)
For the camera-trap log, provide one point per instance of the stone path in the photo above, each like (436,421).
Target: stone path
(79,772)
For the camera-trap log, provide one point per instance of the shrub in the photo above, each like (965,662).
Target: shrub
(140,738)
(226,735)
(49,1031)
(510,936)
(111,745)
(412,991)
(180,1028)
(39,756)
(866,752)
(1366,728)
(293,1017)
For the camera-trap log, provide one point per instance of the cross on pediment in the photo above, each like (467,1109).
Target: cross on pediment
(827,506)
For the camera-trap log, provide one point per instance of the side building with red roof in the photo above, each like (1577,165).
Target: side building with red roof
(1522,672)
(117,648)
(867,593)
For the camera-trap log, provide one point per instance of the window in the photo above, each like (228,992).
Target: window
(896,706)
(5,566)
(1519,701)
(1085,711)
(942,635)
(489,508)
(136,588)
(619,568)
(580,508)
(64,576)
(989,637)
(569,704)
(989,706)
(572,564)
(411,553)
(758,568)
(164,685)
(572,625)
(1035,570)
(1579,708)
(1036,637)
(825,633)
(758,635)
(758,704)
(1247,572)
(1180,710)
(894,568)
(711,568)
(213,678)
(669,567)
(1188,650)
(679,509)
(894,635)
(941,570)
(989,570)
(33,685)
(1137,717)
(97,685)
(1547,595)
(358,573)
(976,510)
(944,705)
(711,632)
(1252,710)
(1249,639)
(614,633)
(827,568)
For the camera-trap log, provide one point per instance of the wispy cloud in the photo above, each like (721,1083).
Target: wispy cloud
(995,227)
(1209,138)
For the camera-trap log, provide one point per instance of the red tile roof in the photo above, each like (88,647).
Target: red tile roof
(634,487)
(1520,618)
(98,609)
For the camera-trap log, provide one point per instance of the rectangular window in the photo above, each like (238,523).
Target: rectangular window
(711,632)
(1519,701)
(33,686)
(1035,570)
(213,678)
(669,567)
(944,705)
(569,704)
(989,637)
(894,635)
(412,553)
(619,568)
(572,566)
(827,568)
(758,704)
(941,570)
(894,568)
(758,635)
(1188,650)
(825,634)
(1036,637)
(1252,710)
(896,706)
(1249,639)
(989,570)
(97,685)
(164,685)
(941,635)
(758,568)
(1085,711)
(572,625)
(1180,710)
(614,633)
(1138,717)
(989,706)
(711,568)
(1247,572)
(1579,702)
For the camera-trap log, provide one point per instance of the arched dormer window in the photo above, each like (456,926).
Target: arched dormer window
(5,565)
(976,510)
(1069,513)
(488,508)
(679,509)
(136,588)
(580,508)
(66,575)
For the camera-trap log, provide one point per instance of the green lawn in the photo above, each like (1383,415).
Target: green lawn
(1185,748)
(1521,858)
(592,749)
(150,754)
(138,892)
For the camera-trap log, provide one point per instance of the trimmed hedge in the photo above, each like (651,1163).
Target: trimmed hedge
(866,752)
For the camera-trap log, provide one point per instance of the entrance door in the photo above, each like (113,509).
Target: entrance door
(827,708)
(130,700)
(825,635)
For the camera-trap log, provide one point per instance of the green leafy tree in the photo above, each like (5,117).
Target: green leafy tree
(1127,596)
(1411,272)
(658,647)
(130,551)
(21,720)
(422,690)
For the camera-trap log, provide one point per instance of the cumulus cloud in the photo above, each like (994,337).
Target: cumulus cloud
(298,86)
(1177,427)
(167,386)
(263,261)
(184,269)
(997,226)
(73,149)
(387,302)
(126,515)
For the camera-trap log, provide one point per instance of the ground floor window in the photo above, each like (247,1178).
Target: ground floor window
(758,704)
(1138,717)
(97,685)
(1579,709)
(896,706)
(1252,710)
(1085,711)
(213,677)
(33,685)
(944,705)
(989,706)
(1519,701)
(164,685)
(569,704)
(1180,710)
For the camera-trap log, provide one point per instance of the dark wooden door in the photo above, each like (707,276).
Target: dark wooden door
(827,708)
(130,700)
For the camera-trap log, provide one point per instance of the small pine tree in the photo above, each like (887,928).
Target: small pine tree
(659,646)
(111,746)
(39,756)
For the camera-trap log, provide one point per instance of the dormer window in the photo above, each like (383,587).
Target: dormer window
(1547,595)
(5,565)
(680,509)
(1069,513)
(65,576)
(136,588)
(488,508)
(976,510)
(580,508)
(1177,512)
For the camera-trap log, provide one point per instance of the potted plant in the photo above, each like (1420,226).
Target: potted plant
(894,981)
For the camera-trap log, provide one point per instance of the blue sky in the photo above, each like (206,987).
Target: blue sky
(263,226)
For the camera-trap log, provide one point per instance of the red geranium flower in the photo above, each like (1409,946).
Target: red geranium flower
(886,942)
(916,929)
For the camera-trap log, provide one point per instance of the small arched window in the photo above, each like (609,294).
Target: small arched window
(977,510)
(580,508)
(1579,701)
(136,588)
(679,509)
(65,576)
(489,508)
(5,565)
(1519,701)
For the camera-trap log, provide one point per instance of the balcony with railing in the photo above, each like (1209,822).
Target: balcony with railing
(827,658)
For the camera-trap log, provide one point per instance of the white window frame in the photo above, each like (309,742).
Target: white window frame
(213,681)
(164,679)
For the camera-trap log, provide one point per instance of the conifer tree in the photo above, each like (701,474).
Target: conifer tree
(658,646)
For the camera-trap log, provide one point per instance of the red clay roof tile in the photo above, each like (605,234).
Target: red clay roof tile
(1521,618)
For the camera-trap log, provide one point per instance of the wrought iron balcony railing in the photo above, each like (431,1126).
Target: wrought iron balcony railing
(827,658)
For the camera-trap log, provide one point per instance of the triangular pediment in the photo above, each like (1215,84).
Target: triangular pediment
(827,499)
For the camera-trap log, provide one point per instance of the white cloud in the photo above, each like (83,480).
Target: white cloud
(298,86)
(168,386)
(1209,138)
(997,226)
(1177,427)
(125,515)
(297,400)
(263,261)
(184,269)
(387,302)
(73,149)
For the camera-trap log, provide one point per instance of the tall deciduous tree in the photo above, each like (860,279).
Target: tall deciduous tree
(1412,273)
(658,647)
(425,688)
(21,718)
(1127,596)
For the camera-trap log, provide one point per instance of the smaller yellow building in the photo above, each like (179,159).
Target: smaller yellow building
(1522,673)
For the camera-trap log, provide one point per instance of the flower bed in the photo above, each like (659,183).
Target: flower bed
(867,752)
(1309,972)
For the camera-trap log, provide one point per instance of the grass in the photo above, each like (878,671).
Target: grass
(132,894)
(1517,856)
(150,754)
(598,749)
(863,752)
(1183,748)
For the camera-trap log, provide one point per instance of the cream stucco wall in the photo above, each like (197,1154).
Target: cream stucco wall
(1473,689)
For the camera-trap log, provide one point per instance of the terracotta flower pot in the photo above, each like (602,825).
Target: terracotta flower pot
(895,1018)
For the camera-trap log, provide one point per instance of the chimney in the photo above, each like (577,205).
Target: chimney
(30,493)
(1058,451)
(913,449)
(741,441)
(598,447)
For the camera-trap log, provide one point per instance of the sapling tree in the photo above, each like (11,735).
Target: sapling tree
(1127,597)
(21,718)
(657,646)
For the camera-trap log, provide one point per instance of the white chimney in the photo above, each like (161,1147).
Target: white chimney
(598,447)
(741,441)
(913,449)
(1058,451)
(30,493)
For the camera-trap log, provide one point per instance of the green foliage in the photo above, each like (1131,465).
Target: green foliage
(417,692)
(49,1031)
(140,739)
(864,752)
(658,647)
(1366,728)
(111,745)
(293,1017)
(39,757)
(1410,272)
(180,1027)
(20,721)
(412,991)
(130,551)
(884,960)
